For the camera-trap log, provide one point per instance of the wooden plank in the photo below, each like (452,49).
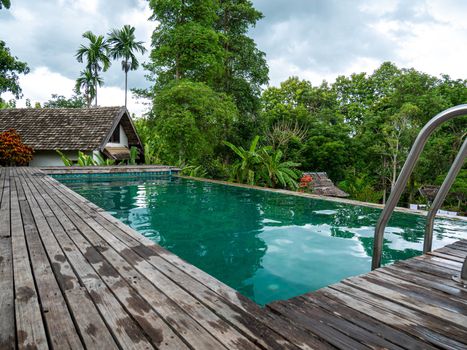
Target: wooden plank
(447,256)
(92,328)
(337,331)
(147,257)
(30,329)
(365,321)
(426,267)
(393,315)
(431,306)
(124,329)
(58,321)
(453,251)
(458,246)
(7,306)
(116,313)
(445,329)
(426,295)
(445,285)
(5,227)
(436,260)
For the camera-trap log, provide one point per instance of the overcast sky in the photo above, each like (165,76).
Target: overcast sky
(312,39)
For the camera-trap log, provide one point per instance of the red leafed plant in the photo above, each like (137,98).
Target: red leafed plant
(305,182)
(12,150)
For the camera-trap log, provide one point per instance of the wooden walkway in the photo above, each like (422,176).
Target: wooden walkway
(72,276)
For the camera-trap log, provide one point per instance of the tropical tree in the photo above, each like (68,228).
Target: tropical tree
(5,3)
(88,82)
(245,169)
(123,45)
(60,101)
(192,120)
(10,67)
(96,55)
(275,172)
(263,166)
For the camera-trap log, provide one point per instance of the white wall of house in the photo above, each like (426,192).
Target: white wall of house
(51,158)
(123,137)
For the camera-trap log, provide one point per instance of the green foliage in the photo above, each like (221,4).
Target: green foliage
(245,170)
(133,155)
(185,44)
(66,161)
(85,160)
(88,82)
(457,197)
(5,3)
(360,188)
(10,67)
(206,41)
(97,60)
(101,161)
(263,166)
(191,121)
(194,171)
(59,101)
(123,44)
(7,104)
(276,173)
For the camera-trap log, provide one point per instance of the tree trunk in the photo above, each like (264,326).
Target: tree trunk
(126,82)
(95,86)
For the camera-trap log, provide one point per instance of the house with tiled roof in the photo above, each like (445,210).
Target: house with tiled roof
(108,131)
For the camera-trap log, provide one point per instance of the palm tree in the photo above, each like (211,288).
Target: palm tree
(5,3)
(123,45)
(88,81)
(96,57)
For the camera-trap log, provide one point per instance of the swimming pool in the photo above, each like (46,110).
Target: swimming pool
(266,245)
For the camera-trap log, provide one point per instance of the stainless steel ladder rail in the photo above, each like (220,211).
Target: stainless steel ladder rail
(441,196)
(404,175)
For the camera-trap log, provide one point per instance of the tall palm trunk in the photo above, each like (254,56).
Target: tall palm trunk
(95,86)
(126,86)
(126,80)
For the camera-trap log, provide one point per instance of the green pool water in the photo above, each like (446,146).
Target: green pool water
(268,246)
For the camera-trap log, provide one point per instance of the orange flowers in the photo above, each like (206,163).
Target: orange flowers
(305,182)
(12,150)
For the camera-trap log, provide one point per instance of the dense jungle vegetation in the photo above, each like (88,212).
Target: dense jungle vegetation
(211,115)
(214,114)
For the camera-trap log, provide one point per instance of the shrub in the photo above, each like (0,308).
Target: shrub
(12,150)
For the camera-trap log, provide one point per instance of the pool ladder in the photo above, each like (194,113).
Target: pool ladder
(401,182)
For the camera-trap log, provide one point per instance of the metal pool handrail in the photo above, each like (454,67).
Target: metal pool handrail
(441,196)
(406,171)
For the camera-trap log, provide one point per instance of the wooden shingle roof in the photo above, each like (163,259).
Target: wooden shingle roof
(82,129)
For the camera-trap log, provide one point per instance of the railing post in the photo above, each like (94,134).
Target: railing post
(441,196)
(406,171)
(462,277)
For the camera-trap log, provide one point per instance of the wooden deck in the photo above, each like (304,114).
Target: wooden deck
(72,276)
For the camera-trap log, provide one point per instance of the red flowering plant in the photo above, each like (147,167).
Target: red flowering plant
(12,150)
(305,182)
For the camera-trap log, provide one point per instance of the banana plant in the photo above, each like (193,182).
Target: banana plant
(245,170)
(66,161)
(275,172)
(85,160)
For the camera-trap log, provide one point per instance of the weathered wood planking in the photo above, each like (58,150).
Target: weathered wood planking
(91,327)
(155,268)
(7,309)
(30,329)
(73,276)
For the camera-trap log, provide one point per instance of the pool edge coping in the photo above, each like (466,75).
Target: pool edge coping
(321,197)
